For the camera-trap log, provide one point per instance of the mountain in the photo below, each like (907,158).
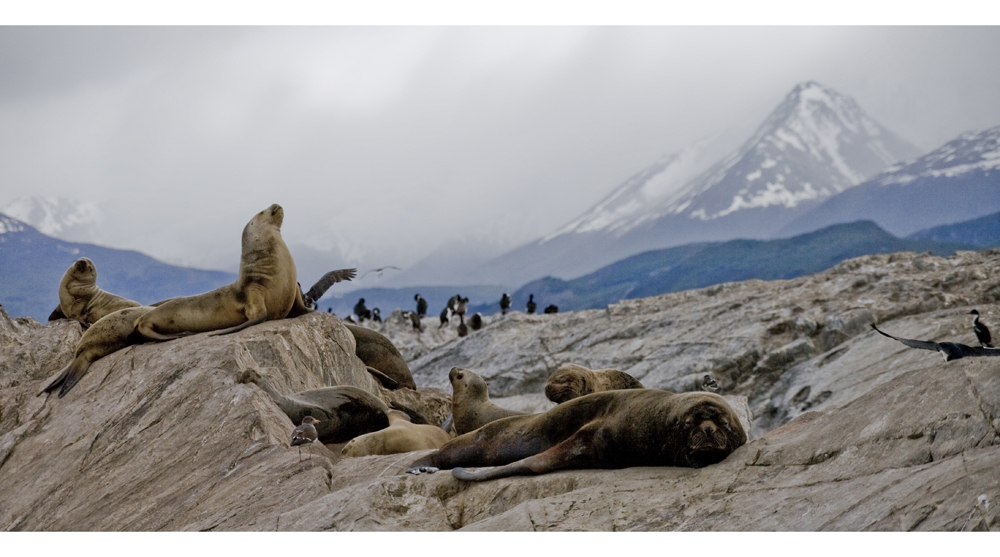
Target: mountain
(32,265)
(66,219)
(956,182)
(984,231)
(814,145)
(704,264)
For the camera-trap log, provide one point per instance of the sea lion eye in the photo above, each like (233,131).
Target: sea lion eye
(688,424)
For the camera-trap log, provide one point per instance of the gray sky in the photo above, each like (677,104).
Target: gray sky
(386,143)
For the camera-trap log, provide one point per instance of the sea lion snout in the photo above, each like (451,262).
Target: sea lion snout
(456,374)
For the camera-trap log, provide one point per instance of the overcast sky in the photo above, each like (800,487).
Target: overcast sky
(386,143)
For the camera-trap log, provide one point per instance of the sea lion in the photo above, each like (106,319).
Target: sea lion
(470,402)
(609,430)
(109,334)
(80,299)
(343,412)
(378,352)
(402,436)
(266,288)
(570,381)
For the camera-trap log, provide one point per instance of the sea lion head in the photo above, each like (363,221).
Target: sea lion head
(708,429)
(467,384)
(84,270)
(569,381)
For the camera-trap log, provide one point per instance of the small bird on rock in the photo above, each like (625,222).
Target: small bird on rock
(982,333)
(305,433)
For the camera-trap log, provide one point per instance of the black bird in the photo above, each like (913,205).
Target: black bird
(376,315)
(305,433)
(531,303)
(709,384)
(379,271)
(551,308)
(445,316)
(476,322)
(361,311)
(414,319)
(421,305)
(982,333)
(462,328)
(453,303)
(324,283)
(504,303)
(950,350)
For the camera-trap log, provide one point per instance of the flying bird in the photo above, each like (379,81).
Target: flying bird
(305,433)
(950,350)
(982,333)
(379,271)
(324,283)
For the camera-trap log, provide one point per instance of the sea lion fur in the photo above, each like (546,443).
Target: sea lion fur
(80,298)
(607,430)
(570,381)
(470,402)
(378,352)
(402,436)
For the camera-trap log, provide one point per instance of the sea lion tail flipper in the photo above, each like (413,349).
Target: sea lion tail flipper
(69,377)
(240,327)
(385,380)
(57,314)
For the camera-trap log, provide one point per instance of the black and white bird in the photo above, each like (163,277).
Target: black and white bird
(950,350)
(376,315)
(305,433)
(504,303)
(709,384)
(531,303)
(982,333)
(445,316)
(421,305)
(324,283)
(414,319)
(361,311)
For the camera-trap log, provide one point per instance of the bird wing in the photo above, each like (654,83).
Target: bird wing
(923,344)
(980,351)
(328,280)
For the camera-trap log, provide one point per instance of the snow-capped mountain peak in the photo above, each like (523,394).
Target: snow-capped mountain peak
(969,151)
(66,219)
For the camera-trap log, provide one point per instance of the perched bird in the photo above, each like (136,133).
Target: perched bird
(414,319)
(453,303)
(376,315)
(378,272)
(531,303)
(445,316)
(476,322)
(305,433)
(463,330)
(709,384)
(551,308)
(504,303)
(323,284)
(982,333)
(421,305)
(361,311)
(950,350)
(462,306)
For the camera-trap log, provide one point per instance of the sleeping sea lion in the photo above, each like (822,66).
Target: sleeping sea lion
(613,429)
(266,288)
(470,402)
(569,381)
(378,352)
(402,436)
(80,299)
(109,334)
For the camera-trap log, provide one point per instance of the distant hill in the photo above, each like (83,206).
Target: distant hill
(32,264)
(698,265)
(984,232)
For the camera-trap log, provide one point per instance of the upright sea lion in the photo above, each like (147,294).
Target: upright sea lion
(613,429)
(378,352)
(266,288)
(570,381)
(109,334)
(80,298)
(343,412)
(470,402)
(402,436)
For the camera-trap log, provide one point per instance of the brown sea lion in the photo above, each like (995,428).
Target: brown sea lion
(402,436)
(470,402)
(343,412)
(613,429)
(109,334)
(266,288)
(378,352)
(80,299)
(570,381)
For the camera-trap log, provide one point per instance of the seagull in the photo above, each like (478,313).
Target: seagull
(379,271)
(305,433)
(709,384)
(982,333)
(950,350)
(324,283)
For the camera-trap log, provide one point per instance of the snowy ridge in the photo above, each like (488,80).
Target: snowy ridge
(8,225)
(66,219)
(969,151)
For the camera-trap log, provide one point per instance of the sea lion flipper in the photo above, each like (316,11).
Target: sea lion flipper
(240,327)
(57,314)
(71,374)
(571,453)
(385,380)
